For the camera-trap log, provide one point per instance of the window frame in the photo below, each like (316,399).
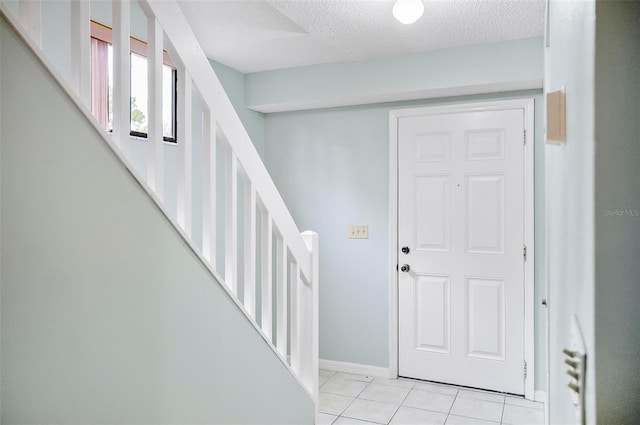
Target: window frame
(104,34)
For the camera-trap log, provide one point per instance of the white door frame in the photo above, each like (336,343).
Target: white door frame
(529,301)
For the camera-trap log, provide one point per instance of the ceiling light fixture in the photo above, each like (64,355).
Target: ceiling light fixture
(408,11)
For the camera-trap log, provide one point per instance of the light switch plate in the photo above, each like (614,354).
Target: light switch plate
(359,231)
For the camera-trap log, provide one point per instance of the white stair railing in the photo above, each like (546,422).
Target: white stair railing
(295,260)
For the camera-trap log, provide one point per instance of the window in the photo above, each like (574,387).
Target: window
(102,85)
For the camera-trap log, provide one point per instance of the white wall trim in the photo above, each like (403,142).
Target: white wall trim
(529,241)
(0,222)
(543,396)
(529,320)
(358,369)
(393,243)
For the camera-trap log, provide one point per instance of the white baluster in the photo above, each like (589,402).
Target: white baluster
(209,188)
(295,317)
(155,143)
(185,153)
(281,293)
(309,373)
(266,257)
(250,248)
(231,221)
(121,74)
(29,14)
(81,49)
(189,53)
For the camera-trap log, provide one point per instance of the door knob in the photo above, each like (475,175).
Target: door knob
(405,268)
(405,249)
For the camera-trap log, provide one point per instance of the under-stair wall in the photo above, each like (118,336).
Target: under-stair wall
(107,314)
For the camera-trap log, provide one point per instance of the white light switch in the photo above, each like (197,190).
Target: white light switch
(359,231)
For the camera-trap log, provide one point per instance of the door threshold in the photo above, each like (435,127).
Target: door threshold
(463,387)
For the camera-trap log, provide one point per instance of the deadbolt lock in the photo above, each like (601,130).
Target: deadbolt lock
(405,249)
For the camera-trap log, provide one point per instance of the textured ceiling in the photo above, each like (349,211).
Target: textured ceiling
(259,35)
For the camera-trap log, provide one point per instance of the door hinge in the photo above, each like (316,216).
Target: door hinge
(524,136)
(524,252)
(524,368)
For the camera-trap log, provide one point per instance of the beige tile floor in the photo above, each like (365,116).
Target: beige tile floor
(347,399)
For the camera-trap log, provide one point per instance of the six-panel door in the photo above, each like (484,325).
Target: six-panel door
(461,214)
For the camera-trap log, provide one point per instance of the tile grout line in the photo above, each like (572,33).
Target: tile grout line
(475,417)
(401,404)
(349,405)
(345,409)
(365,387)
(354,399)
(451,407)
(347,379)
(503,407)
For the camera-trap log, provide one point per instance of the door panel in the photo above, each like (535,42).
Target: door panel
(485,318)
(432,213)
(461,213)
(485,214)
(433,147)
(432,307)
(484,144)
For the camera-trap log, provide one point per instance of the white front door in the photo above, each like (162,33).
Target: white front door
(461,216)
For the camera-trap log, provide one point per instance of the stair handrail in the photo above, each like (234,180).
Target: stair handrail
(191,55)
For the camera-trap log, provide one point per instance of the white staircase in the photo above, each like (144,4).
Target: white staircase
(293,334)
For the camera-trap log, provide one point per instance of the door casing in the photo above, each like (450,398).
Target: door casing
(529,300)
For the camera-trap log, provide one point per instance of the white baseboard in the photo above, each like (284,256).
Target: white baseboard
(359,369)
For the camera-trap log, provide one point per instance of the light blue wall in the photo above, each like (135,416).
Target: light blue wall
(331,167)
(344,154)
(234,84)
(483,68)
(56,35)
(570,176)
